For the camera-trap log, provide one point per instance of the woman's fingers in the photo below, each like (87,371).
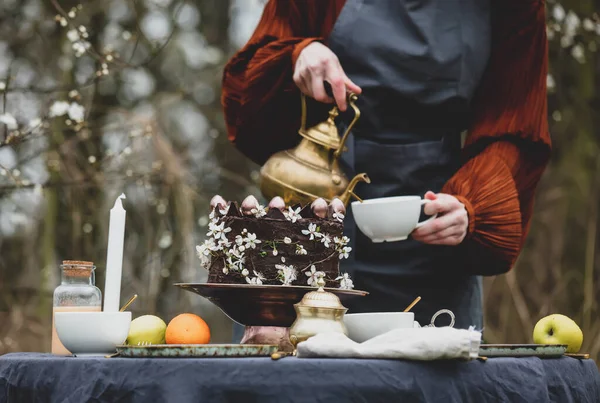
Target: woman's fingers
(438,225)
(351,86)
(336,77)
(449,235)
(317,64)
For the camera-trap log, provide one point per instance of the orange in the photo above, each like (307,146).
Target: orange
(187,328)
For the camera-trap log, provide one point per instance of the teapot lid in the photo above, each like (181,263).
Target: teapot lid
(321,298)
(325,133)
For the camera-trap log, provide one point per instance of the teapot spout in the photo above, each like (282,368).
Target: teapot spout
(349,192)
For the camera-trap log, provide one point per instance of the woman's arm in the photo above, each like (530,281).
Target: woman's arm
(508,146)
(260,100)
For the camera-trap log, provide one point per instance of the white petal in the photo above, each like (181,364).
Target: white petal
(59,108)
(9,121)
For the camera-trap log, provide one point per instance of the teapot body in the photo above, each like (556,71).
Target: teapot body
(312,170)
(303,174)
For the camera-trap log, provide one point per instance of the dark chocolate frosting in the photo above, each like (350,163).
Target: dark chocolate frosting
(275,247)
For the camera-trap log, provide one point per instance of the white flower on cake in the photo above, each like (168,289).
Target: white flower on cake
(217,231)
(344,253)
(345,282)
(286,274)
(255,280)
(326,239)
(313,275)
(251,241)
(235,263)
(217,247)
(312,231)
(287,240)
(275,252)
(245,272)
(338,216)
(204,249)
(343,241)
(292,215)
(259,211)
(300,250)
(225,271)
(204,252)
(239,240)
(235,259)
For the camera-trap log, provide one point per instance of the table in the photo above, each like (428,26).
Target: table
(31,377)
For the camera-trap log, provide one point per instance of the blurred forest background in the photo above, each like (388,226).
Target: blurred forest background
(112,96)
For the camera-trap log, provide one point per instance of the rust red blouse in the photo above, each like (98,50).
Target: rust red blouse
(507,147)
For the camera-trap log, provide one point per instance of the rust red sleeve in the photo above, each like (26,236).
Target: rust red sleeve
(508,145)
(260,101)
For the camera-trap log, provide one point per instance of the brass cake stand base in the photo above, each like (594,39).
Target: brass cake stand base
(272,335)
(267,311)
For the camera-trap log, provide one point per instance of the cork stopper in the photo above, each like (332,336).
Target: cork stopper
(77,268)
(77,263)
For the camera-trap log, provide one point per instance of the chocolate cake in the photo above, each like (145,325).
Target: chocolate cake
(274,247)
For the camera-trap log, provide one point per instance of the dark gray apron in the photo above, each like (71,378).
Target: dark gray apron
(418,63)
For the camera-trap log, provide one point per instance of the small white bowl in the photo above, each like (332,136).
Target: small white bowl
(92,333)
(364,326)
(389,219)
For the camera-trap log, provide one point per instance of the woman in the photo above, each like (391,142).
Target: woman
(425,71)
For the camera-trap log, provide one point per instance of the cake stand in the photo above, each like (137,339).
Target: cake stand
(266,311)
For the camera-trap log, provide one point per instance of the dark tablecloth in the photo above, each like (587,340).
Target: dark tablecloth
(44,378)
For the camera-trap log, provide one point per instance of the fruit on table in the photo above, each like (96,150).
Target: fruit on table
(147,329)
(187,328)
(558,329)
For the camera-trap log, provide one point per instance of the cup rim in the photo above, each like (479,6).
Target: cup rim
(95,313)
(382,200)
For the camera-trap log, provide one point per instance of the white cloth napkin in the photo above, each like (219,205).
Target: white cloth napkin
(423,344)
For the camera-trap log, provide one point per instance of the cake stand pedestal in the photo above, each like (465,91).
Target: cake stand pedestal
(267,311)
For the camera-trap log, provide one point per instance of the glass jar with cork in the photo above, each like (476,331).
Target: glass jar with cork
(76,293)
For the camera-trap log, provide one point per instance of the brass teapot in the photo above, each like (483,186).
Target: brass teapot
(318,312)
(312,169)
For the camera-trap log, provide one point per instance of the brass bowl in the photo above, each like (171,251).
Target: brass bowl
(260,305)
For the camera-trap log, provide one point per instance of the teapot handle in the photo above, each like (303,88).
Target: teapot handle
(352,97)
(303,121)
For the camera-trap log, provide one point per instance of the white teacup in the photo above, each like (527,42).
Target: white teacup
(389,219)
(364,326)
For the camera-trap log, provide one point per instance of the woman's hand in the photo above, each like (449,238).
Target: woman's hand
(451,225)
(316,64)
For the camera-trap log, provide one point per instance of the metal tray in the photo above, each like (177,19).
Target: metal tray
(522,350)
(196,350)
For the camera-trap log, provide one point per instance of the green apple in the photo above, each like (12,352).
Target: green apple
(558,329)
(147,329)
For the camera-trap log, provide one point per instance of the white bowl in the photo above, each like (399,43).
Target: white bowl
(388,219)
(364,326)
(92,333)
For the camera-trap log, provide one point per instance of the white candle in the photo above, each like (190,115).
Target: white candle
(114,257)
